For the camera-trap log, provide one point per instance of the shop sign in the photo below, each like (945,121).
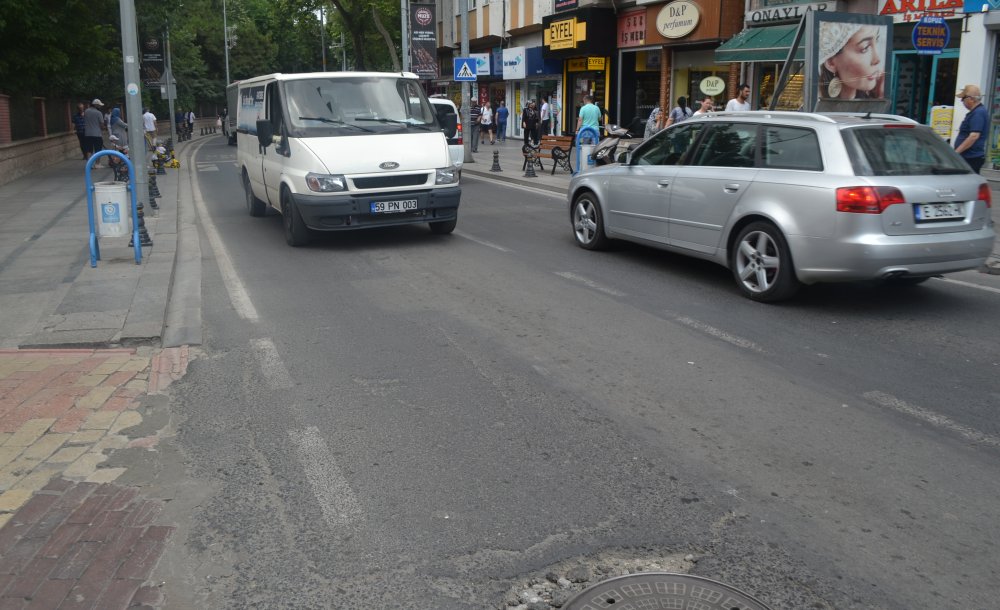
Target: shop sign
(482,63)
(981,6)
(712,85)
(677,19)
(586,64)
(767,15)
(514,63)
(565,34)
(930,35)
(632,29)
(941,118)
(565,5)
(913,10)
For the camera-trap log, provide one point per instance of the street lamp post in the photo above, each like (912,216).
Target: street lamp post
(225,39)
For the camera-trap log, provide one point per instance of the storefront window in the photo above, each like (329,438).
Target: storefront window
(640,90)
(792,96)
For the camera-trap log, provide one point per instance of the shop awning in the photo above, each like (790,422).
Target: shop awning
(761,44)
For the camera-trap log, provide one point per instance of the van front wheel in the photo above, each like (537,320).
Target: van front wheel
(444,227)
(296,232)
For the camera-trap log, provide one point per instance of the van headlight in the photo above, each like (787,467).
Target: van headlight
(448,175)
(326,183)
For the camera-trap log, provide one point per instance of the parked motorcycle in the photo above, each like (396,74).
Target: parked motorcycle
(606,151)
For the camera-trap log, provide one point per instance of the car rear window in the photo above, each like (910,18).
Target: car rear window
(901,151)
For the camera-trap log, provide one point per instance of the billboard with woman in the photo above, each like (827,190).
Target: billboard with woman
(852,55)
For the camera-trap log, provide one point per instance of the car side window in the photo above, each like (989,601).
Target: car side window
(668,147)
(791,148)
(727,145)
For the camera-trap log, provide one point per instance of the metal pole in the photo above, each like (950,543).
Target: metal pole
(225,38)
(463,11)
(343,53)
(322,34)
(133,101)
(171,92)
(404,13)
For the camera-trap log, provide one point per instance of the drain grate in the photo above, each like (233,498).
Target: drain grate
(662,590)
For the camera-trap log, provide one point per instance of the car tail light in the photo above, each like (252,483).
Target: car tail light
(985,195)
(458,134)
(867,199)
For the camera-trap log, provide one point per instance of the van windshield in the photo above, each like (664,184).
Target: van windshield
(321,107)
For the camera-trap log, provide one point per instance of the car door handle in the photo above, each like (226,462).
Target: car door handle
(732,187)
(663,183)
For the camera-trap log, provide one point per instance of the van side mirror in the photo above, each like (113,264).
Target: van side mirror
(448,121)
(265,133)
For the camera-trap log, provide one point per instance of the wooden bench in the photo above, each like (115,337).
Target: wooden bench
(557,148)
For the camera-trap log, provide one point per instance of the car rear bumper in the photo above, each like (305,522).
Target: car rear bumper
(352,211)
(877,256)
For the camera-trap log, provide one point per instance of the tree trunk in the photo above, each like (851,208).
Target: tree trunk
(388,40)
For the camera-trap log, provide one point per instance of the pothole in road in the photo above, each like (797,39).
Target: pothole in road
(557,584)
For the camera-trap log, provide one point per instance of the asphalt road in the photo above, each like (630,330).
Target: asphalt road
(397,419)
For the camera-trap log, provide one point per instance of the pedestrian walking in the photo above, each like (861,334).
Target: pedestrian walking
(119,128)
(486,123)
(707,105)
(190,121)
(475,114)
(970,142)
(543,116)
(554,110)
(590,115)
(503,113)
(680,113)
(180,122)
(741,101)
(80,125)
(652,124)
(529,123)
(93,130)
(149,127)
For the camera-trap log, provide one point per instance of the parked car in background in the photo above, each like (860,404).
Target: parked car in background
(455,144)
(790,198)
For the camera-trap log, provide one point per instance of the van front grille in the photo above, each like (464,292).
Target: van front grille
(379,182)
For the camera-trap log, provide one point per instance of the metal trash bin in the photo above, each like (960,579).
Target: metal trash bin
(112,212)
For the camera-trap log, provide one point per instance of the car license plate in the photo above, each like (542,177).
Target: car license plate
(939,211)
(393,207)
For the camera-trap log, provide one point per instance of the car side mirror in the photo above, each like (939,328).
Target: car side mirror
(265,133)
(448,121)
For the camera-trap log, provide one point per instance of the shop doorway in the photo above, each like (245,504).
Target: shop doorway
(922,82)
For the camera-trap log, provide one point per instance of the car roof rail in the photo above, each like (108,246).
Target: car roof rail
(879,116)
(787,114)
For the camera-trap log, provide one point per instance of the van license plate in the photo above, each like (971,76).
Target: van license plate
(939,211)
(393,207)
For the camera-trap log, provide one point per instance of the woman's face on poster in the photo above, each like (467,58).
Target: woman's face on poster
(859,63)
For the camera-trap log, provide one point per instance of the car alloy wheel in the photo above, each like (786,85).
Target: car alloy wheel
(762,264)
(588,224)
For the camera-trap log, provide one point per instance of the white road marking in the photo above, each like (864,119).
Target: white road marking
(720,334)
(208,168)
(590,283)
(935,419)
(234,285)
(534,189)
(336,498)
(969,284)
(481,242)
(271,366)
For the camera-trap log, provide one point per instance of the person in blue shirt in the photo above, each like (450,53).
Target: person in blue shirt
(971,140)
(590,115)
(502,114)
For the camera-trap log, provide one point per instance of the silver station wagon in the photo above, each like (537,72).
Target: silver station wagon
(790,198)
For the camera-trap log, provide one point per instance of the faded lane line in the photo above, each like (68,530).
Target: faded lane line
(969,284)
(336,499)
(589,283)
(720,334)
(271,366)
(234,285)
(935,419)
(481,242)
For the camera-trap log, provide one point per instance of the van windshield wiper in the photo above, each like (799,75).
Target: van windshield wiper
(324,119)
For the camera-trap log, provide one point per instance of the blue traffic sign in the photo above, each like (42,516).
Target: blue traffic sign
(465,69)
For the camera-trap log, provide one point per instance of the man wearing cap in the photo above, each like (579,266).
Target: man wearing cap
(970,142)
(93,129)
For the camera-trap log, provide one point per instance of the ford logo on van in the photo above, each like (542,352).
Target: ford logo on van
(389,165)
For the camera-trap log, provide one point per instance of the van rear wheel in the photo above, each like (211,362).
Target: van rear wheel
(296,232)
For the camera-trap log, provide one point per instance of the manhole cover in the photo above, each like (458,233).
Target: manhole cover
(662,590)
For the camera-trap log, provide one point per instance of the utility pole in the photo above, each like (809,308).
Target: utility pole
(463,8)
(133,101)
(171,92)
(404,13)
(322,33)
(225,39)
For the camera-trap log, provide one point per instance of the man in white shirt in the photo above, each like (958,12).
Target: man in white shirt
(544,116)
(742,99)
(149,126)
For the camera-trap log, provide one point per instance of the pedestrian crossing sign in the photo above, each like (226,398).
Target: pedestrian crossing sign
(465,69)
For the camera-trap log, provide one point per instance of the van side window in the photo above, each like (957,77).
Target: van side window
(275,114)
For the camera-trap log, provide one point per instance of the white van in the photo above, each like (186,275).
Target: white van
(338,151)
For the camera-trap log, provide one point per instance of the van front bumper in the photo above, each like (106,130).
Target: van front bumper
(344,212)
